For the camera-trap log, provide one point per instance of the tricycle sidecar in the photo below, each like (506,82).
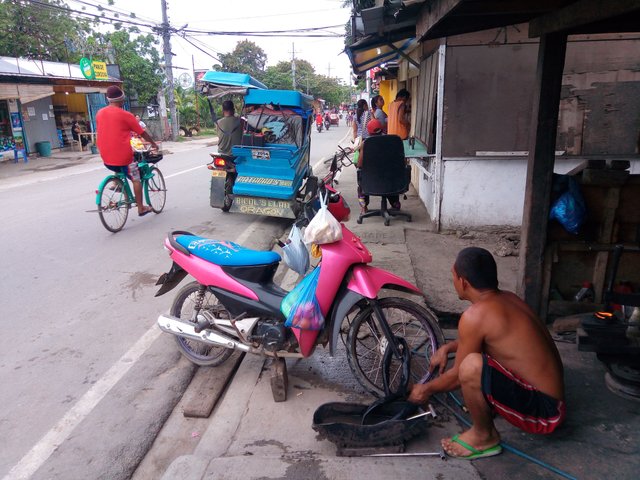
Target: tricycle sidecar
(267,174)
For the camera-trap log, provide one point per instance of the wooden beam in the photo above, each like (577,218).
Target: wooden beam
(433,13)
(542,145)
(580,13)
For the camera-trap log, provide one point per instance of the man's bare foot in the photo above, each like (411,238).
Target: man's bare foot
(469,445)
(144,211)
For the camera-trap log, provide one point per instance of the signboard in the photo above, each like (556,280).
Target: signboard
(86,68)
(100,70)
(264,181)
(260,154)
(262,206)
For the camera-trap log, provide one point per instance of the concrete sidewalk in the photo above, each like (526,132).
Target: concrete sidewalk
(249,436)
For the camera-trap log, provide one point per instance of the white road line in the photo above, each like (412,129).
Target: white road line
(42,450)
(184,171)
(34,459)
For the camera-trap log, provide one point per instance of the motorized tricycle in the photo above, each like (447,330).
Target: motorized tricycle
(269,172)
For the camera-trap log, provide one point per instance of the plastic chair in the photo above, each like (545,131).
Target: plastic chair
(384,172)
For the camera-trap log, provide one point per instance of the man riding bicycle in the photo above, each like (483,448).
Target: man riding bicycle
(114,127)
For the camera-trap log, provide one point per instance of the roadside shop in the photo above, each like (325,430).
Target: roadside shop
(40,100)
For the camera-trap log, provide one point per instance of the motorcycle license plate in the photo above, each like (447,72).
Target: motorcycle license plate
(218,173)
(260,154)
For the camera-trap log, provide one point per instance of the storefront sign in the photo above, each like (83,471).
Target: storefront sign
(260,154)
(265,181)
(100,70)
(86,68)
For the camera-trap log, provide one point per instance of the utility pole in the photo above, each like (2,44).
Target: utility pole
(293,64)
(168,67)
(329,73)
(195,91)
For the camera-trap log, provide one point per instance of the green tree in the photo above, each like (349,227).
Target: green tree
(38,31)
(247,57)
(138,58)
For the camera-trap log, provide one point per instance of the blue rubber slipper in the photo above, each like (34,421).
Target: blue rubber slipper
(475,453)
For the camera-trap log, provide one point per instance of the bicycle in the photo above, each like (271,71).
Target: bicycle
(115,197)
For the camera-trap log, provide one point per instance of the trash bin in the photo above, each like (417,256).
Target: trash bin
(44,149)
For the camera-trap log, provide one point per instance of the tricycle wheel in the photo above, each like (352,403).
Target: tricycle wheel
(228,193)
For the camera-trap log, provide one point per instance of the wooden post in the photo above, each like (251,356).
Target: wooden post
(542,146)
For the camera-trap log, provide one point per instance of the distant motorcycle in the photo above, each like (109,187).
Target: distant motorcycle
(327,123)
(319,126)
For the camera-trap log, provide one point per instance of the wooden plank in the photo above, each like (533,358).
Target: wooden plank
(433,14)
(600,274)
(540,164)
(207,386)
(550,257)
(583,12)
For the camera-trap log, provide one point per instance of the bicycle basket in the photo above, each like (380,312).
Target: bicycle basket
(152,156)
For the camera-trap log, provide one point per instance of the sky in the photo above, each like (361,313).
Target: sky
(247,15)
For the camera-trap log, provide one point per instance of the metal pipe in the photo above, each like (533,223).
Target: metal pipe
(176,326)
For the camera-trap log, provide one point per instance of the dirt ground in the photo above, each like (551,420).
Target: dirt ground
(433,254)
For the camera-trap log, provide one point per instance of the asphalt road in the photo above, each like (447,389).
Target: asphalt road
(87,379)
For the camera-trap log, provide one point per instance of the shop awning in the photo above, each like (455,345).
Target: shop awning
(25,93)
(374,50)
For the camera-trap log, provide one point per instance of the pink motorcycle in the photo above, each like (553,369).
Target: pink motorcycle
(234,304)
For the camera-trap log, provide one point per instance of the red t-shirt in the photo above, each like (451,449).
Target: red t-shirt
(114,127)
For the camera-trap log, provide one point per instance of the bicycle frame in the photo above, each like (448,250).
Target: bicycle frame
(145,175)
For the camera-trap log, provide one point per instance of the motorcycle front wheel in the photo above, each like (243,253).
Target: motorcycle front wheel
(366,344)
(184,307)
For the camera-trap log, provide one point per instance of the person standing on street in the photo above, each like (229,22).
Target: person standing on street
(114,128)
(363,115)
(377,103)
(229,129)
(505,362)
(398,122)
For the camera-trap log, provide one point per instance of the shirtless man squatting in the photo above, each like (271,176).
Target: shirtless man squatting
(506,362)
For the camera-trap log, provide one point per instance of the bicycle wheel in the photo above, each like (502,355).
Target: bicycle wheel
(156,190)
(185,307)
(366,344)
(114,205)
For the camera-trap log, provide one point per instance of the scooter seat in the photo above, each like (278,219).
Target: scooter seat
(226,254)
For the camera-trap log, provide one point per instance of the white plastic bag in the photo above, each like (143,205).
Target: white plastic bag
(323,227)
(296,255)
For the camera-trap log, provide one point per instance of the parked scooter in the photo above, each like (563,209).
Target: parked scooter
(234,304)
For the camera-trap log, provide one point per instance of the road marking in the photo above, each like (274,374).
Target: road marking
(42,450)
(184,171)
(34,459)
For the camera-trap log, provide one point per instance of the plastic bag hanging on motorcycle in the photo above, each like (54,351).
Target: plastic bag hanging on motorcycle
(296,255)
(301,306)
(323,227)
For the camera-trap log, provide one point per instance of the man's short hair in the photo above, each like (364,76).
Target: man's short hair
(227,106)
(478,267)
(404,93)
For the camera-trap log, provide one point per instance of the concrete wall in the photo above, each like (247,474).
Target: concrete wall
(38,129)
(481,193)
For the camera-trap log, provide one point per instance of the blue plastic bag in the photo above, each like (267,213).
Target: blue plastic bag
(301,306)
(570,209)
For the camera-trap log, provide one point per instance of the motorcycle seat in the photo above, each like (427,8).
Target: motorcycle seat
(226,254)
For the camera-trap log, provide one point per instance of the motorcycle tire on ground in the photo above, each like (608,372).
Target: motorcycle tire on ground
(228,193)
(196,352)
(366,344)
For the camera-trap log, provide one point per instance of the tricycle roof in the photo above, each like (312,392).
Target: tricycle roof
(232,79)
(282,98)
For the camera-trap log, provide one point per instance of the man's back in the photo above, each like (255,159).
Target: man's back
(513,336)
(114,127)
(230,134)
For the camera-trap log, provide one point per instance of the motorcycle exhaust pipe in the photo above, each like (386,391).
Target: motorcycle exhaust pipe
(181,328)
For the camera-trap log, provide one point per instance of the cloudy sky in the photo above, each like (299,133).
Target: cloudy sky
(246,16)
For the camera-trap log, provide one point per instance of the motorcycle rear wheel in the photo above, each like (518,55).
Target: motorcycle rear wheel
(366,344)
(184,307)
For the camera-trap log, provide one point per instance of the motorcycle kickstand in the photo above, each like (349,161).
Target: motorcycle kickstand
(279,379)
